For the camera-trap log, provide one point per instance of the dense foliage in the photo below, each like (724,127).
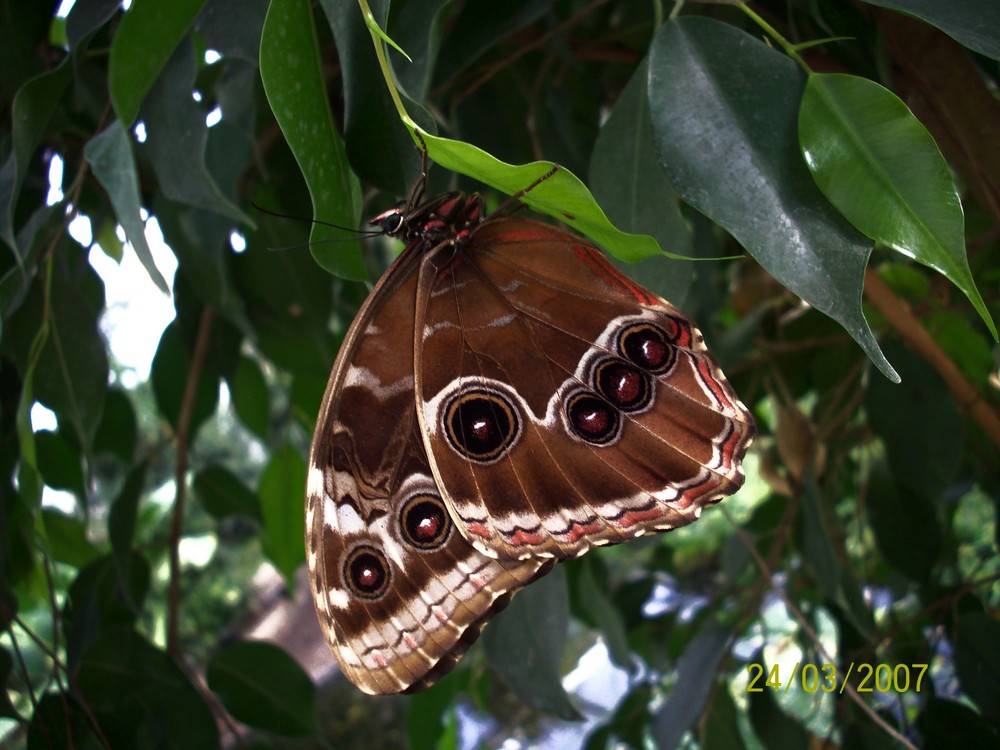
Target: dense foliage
(785,139)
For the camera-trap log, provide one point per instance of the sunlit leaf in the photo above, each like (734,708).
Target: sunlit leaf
(876,163)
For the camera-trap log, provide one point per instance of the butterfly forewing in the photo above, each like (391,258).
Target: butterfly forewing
(564,406)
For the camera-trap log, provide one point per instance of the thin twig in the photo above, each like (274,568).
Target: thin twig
(818,645)
(183,438)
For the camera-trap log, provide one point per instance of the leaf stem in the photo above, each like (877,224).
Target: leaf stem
(379,39)
(790,49)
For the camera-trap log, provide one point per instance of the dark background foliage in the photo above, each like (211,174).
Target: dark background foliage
(138,524)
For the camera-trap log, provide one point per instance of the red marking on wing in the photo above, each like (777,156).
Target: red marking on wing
(579,530)
(410,641)
(521,538)
(632,517)
(480,529)
(380,660)
(478,581)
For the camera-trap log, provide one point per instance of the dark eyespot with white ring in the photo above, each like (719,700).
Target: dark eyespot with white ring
(366,572)
(623,384)
(592,419)
(647,346)
(425,521)
(481,425)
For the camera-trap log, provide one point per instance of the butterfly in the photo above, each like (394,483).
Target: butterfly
(504,399)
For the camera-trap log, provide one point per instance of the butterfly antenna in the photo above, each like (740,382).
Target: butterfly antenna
(295,217)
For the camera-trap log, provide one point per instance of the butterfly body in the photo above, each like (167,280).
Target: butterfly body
(505,398)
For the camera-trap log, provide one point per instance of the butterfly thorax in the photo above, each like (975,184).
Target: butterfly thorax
(449,218)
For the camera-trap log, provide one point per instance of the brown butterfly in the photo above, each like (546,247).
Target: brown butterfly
(505,398)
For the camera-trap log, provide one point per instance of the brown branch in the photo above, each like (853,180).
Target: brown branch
(899,316)
(180,472)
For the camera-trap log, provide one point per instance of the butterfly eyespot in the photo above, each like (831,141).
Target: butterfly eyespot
(366,572)
(425,521)
(481,425)
(648,346)
(592,419)
(623,384)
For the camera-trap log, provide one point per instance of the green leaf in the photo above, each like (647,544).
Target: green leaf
(86,17)
(906,525)
(525,645)
(881,168)
(561,195)
(282,492)
(60,721)
(116,434)
(251,398)
(176,137)
(291,70)
(592,597)
(110,156)
(7,709)
(632,187)
(943,721)
(169,373)
(122,521)
(911,419)
(32,110)
(146,37)
(724,109)
(221,493)
(969,22)
(66,539)
(141,697)
(774,728)
(261,685)
(232,27)
(977,660)
(696,677)
(722,730)
(379,148)
(60,462)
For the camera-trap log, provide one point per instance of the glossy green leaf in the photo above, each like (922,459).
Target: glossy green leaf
(232,27)
(222,493)
(633,189)
(591,596)
(176,137)
(696,677)
(525,645)
(561,195)
(146,37)
(282,492)
(970,22)
(110,156)
(291,70)
(264,687)
(141,697)
(251,399)
(724,108)
(876,163)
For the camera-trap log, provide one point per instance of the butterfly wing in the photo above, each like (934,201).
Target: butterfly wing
(399,593)
(564,406)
